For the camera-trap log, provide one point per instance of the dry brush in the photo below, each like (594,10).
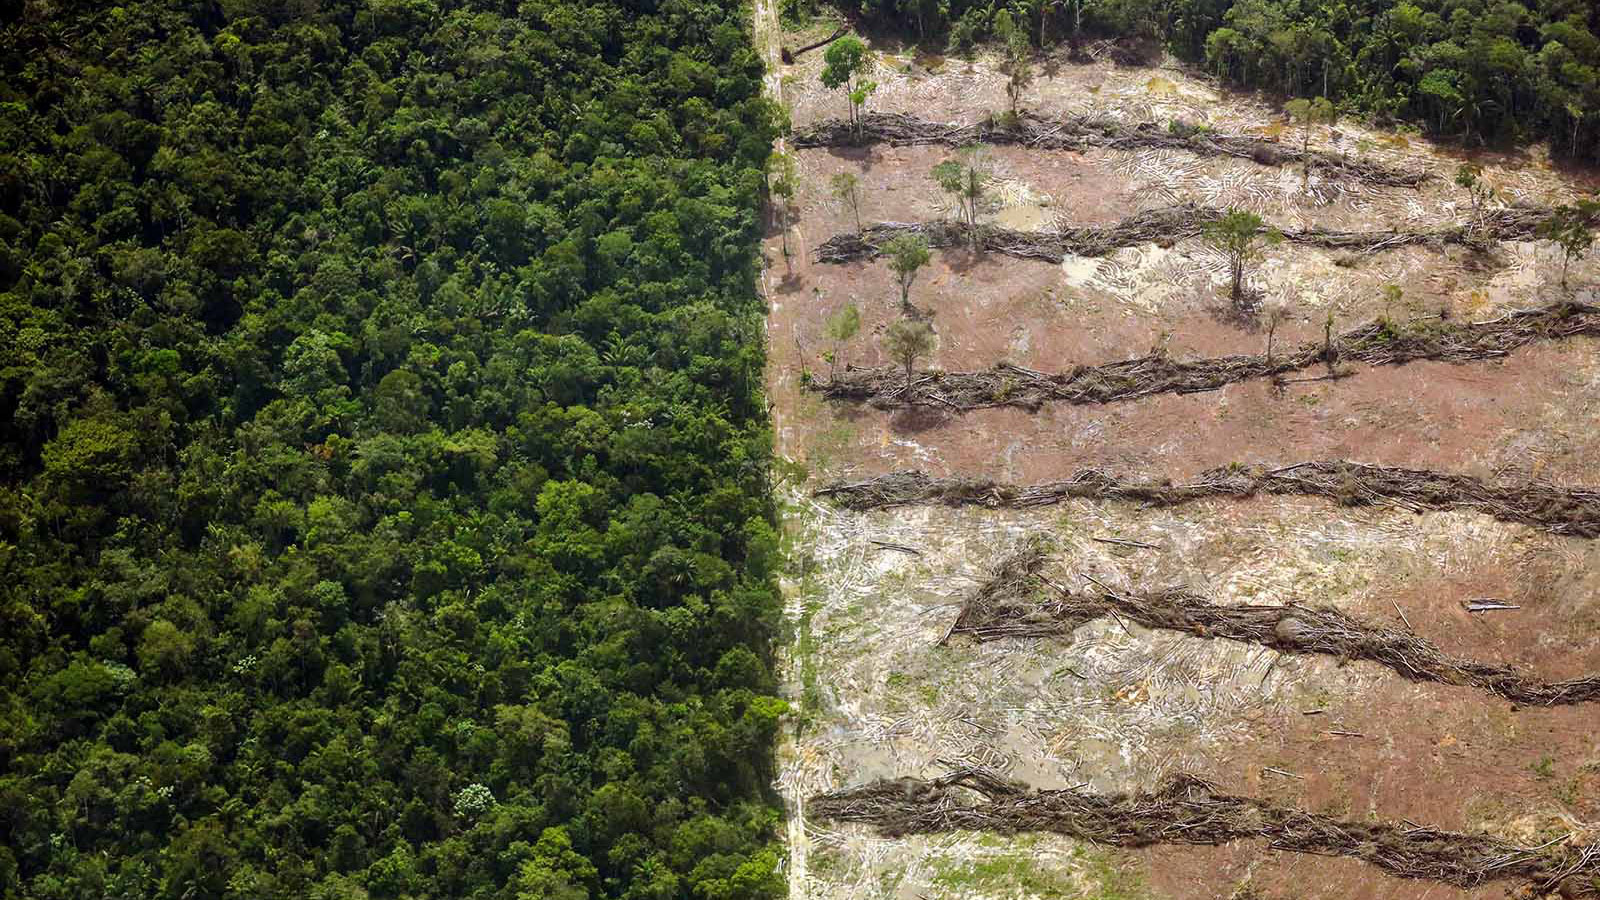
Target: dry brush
(1084,132)
(1188,810)
(1018,601)
(1559,510)
(1166,225)
(1380,343)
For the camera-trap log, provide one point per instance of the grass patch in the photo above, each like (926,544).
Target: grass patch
(1091,874)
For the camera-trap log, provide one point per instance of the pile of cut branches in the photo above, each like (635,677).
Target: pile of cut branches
(1188,810)
(1163,226)
(1566,511)
(1013,604)
(1083,132)
(1381,342)
(1011,586)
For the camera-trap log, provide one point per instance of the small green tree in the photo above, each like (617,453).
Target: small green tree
(965,177)
(1568,228)
(845,65)
(841,327)
(1309,113)
(1392,295)
(907,253)
(1240,236)
(908,340)
(1469,176)
(846,189)
(1018,62)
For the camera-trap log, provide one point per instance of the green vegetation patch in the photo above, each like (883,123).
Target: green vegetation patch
(384,494)
(1087,874)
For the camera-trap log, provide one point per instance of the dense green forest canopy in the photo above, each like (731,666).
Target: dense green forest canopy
(1479,70)
(383,466)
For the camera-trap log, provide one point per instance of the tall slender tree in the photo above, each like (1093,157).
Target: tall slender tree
(907,253)
(846,64)
(1242,237)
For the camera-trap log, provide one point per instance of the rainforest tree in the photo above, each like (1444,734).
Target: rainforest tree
(383,467)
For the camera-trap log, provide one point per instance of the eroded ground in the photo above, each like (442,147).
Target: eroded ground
(1117,708)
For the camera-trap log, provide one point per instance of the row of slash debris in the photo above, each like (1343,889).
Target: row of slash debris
(1559,510)
(1379,343)
(1018,601)
(1166,225)
(1187,810)
(1084,132)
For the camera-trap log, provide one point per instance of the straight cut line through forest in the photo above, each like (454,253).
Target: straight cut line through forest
(1565,511)
(1188,810)
(1082,132)
(1165,225)
(1014,603)
(1382,342)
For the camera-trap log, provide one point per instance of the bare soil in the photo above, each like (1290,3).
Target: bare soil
(1120,708)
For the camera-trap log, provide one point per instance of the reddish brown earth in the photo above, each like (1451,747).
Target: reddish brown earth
(1436,755)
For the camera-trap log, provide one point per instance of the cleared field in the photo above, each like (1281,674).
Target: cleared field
(1321,695)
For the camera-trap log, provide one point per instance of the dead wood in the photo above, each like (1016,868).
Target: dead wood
(1009,586)
(1083,132)
(1165,225)
(1565,511)
(1017,602)
(1380,343)
(789,55)
(1188,810)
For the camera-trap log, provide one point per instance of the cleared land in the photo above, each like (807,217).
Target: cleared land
(1417,740)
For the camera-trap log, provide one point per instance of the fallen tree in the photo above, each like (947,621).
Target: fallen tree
(1565,511)
(789,55)
(1019,601)
(1166,225)
(1188,810)
(1380,343)
(1083,132)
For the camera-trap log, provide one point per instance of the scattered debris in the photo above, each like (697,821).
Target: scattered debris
(900,547)
(1402,614)
(1119,542)
(1477,606)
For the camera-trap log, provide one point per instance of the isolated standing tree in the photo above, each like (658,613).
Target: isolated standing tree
(1329,356)
(1241,237)
(1568,228)
(1469,176)
(841,327)
(1018,64)
(847,190)
(781,188)
(908,340)
(1392,295)
(1275,315)
(1309,113)
(964,177)
(845,65)
(907,253)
